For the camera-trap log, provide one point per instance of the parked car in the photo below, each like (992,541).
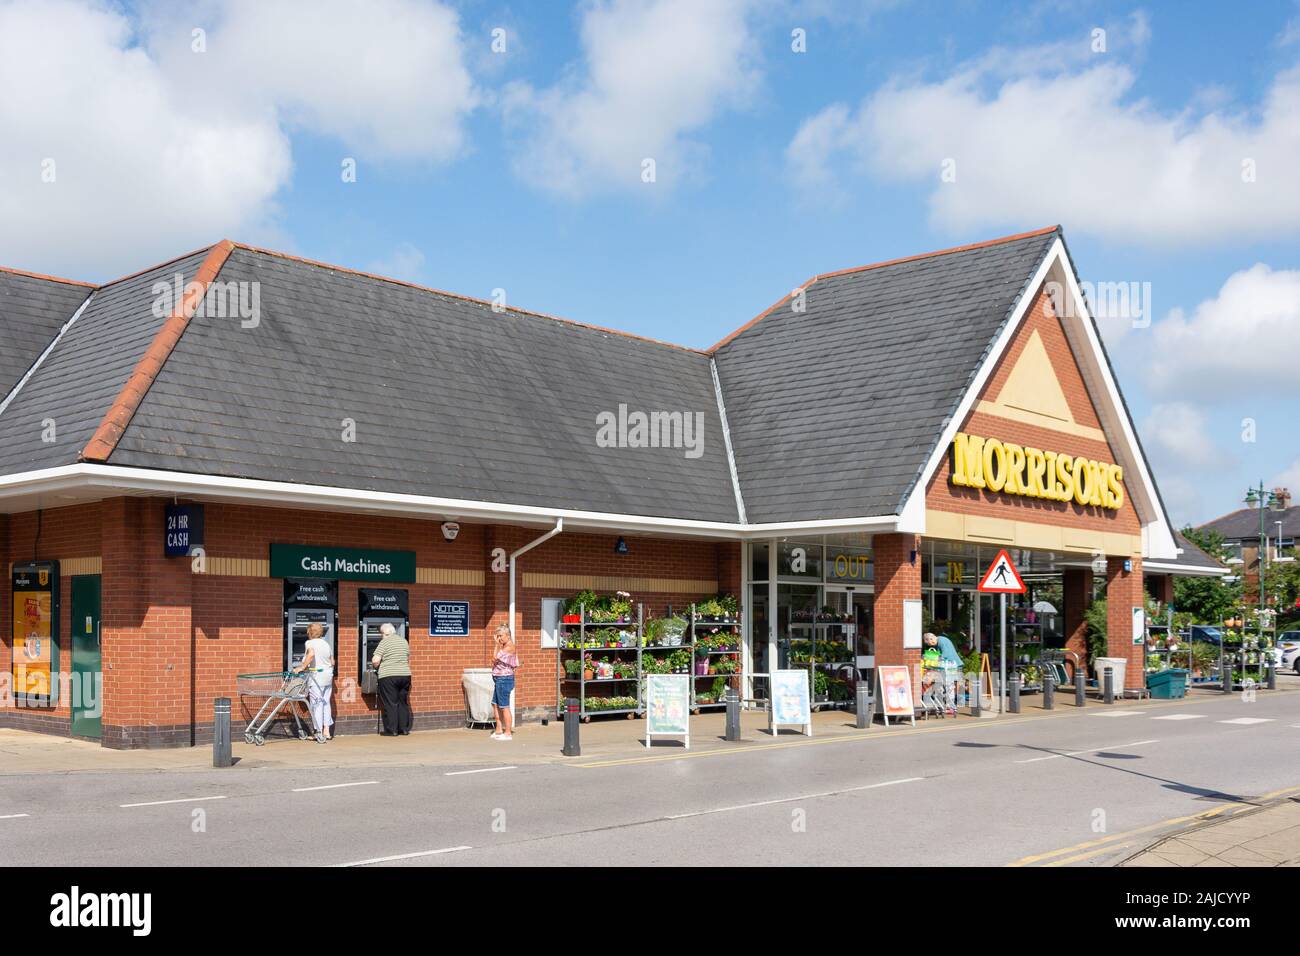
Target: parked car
(1288,651)
(1202,632)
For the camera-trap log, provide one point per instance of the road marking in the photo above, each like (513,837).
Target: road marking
(336,786)
(1248,720)
(1179,717)
(461,773)
(12,816)
(1091,750)
(803,796)
(405,856)
(159,803)
(1116,713)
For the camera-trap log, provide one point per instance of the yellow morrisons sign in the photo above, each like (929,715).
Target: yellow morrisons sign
(1019,470)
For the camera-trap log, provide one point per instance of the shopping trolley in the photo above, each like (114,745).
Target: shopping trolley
(282,689)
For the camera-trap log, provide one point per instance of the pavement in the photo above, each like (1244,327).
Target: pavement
(1070,787)
(1251,836)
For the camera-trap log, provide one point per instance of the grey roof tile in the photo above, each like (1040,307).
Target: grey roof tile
(32,310)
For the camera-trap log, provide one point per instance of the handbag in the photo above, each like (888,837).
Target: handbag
(370,681)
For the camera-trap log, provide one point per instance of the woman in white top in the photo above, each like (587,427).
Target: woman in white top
(318,661)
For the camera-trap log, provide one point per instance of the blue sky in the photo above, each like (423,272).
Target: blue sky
(520,170)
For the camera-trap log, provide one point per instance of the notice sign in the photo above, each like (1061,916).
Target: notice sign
(668,706)
(449,619)
(791,699)
(184,530)
(35,626)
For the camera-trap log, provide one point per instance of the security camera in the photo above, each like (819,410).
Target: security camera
(450,529)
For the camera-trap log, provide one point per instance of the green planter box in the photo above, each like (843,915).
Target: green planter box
(1168,684)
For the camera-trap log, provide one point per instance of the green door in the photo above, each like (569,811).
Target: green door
(87,690)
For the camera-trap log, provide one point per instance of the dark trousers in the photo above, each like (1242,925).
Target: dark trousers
(395,698)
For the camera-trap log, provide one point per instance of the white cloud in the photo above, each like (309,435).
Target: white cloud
(652,72)
(1063,136)
(1288,478)
(158,149)
(1249,332)
(1177,436)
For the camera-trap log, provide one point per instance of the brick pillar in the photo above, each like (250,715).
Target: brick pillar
(897,579)
(729,568)
(6,609)
(1124,591)
(1077,595)
(146,630)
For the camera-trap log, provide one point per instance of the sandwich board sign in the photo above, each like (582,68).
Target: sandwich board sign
(1002,577)
(668,707)
(894,691)
(791,703)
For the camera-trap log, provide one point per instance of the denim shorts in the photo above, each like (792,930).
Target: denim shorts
(502,687)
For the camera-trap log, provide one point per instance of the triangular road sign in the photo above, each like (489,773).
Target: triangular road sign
(1002,577)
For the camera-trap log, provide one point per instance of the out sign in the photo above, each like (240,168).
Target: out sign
(184,530)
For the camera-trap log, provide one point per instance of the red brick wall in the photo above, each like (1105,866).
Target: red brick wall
(1124,592)
(70,532)
(174,640)
(897,579)
(943,496)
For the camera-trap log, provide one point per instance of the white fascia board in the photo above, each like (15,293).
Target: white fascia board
(112,479)
(1182,570)
(913,512)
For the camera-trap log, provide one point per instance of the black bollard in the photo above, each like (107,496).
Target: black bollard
(975,695)
(863,706)
(1108,686)
(221,732)
(1272,674)
(572,747)
(1013,704)
(1080,685)
(1225,673)
(733,714)
(1049,691)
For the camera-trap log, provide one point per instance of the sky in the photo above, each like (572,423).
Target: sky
(673,167)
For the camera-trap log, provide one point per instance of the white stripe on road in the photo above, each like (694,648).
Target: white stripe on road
(1092,750)
(12,816)
(1248,720)
(159,803)
(405,856)
(1179,717)
(1115,713)
(804,796)
(335,786)
(461,773)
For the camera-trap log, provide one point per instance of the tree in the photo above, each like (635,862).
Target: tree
(1208,600)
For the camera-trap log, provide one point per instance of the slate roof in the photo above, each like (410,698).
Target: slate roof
(82,375)
(32,310)
(1243,524)
(1192,556)
(834,410)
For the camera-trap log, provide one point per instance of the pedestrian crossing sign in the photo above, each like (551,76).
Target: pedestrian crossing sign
(1002,577)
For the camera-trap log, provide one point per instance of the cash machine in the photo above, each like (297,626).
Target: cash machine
(375,608)
(308,601)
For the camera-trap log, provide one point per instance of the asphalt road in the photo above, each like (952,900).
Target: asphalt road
(1067,790)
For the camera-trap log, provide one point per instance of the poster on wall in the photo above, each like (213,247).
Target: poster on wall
(894,691)
(1139,625)
(791,700)
(668,707)
(912,624)
(35,633)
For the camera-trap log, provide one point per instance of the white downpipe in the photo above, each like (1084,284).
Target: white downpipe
(559,526)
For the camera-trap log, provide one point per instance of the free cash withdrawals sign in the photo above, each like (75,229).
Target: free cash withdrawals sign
(342,564)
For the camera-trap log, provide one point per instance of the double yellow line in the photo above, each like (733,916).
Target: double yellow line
(1118,841)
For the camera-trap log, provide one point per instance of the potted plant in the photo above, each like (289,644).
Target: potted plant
(572,666)
(680,661)
(588,670)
